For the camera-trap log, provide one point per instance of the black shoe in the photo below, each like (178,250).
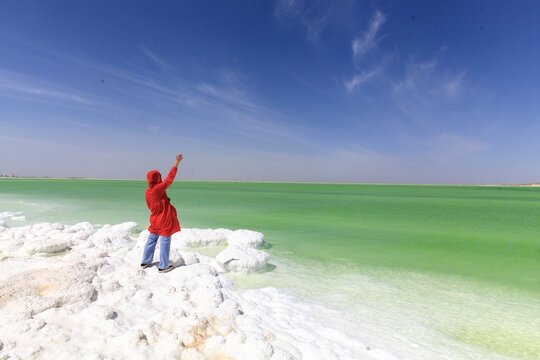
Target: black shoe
(144,266)
(166,270)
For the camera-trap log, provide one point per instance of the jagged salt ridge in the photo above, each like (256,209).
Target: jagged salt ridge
(94,301)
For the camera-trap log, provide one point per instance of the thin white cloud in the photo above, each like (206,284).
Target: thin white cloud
(312,16)
(427,93)
(157,60)
(450,147)
(452,86)
(224,103)
(44,92)
(286,8)
(361,45)
(17,83)
(362,78)
(237,113)
(227,95)
(368,75)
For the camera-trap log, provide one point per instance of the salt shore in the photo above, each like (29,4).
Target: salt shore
(78,291)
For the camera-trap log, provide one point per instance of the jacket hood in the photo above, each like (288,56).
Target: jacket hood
(154,178)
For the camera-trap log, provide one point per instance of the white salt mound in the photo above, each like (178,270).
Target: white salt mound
(235,258)
(246,239)
(201,237)
(111,237)
(96,300)
(240,255)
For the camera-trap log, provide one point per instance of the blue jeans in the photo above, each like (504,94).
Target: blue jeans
(164,247)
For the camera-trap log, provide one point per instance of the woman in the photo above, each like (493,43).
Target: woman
(163,219)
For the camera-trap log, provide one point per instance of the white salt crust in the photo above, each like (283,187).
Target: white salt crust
(235,258)
(5,214)
(93,301)
(15,216)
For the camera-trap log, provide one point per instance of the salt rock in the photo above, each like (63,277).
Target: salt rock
(175,258)
(192,354)
(34,291)
(203,259)
(111,237)
(21,232)
(246,346)
(201,237)
(85,226)
(246,239)
(45,245)
(41,229)
(109,240)
(170,346)
(235,258)
(143,236)
(58,226)
(42,238)
(189,258)
(111,285)
(102,312)
(125,226)
(191,275)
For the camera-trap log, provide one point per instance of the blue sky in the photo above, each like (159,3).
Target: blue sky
(288,90)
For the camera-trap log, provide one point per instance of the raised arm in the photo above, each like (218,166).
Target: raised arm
(169,179)
(179,158)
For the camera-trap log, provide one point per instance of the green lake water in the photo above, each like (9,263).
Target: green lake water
(459,262)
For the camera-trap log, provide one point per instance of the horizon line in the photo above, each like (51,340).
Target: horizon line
(269,181)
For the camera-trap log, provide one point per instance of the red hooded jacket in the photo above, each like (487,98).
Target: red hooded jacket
(163,219)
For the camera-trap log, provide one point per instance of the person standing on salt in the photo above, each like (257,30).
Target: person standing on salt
(163,218)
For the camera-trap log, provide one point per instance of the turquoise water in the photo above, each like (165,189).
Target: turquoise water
(456,267)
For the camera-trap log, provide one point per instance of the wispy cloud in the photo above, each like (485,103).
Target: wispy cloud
(427,92)
(215,105)
(363,44)
(367,76)
(222,102)
(226,95)
(362,78)
(18,83)
(368,40)
(452,86)
(157,60)
(450,147)
(313,16)
(229,101)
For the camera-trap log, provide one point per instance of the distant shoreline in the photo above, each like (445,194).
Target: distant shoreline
(268,182)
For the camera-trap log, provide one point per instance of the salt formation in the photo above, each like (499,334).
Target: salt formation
(9,214)
(241,255)
(96,299)
(78,291)
(201,237)
(16,216)
(235,258)
(246,239)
